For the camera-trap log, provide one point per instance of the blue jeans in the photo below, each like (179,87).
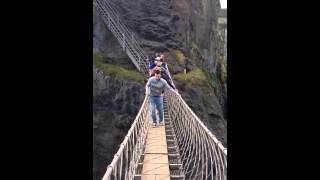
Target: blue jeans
(156,101)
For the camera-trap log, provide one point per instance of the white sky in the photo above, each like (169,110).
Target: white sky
(223,4)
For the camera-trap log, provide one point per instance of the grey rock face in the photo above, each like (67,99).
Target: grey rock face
(206,106)
(151,21)
(105,43)
(116,103)
(166,24)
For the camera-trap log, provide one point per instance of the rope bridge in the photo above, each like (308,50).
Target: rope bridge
(201,154)
(125,161)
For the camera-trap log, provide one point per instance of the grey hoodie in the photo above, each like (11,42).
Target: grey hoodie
(155,87)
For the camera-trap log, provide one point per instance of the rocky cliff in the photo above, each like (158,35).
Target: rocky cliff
(184,30)
(116,102)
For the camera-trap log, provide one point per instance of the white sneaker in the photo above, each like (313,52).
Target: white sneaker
(153,125)
(162,124)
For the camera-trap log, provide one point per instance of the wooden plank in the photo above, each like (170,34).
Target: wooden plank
(155,177)
(154,169)
(156,149)
(156,163)
(156,158)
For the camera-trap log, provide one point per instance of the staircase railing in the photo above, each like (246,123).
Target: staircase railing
(125,37)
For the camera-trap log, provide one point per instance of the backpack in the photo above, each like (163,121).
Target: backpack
(151,60)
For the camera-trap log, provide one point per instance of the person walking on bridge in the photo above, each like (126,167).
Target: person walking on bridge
(154,88)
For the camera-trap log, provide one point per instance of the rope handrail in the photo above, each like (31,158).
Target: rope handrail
(203,156)
(124,27)
(187,125)
(123,165)
(197,118)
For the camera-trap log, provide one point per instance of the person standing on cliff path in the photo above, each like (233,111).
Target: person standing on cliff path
(154,88)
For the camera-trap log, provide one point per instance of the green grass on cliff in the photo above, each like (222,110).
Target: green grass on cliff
(114,70)
(197,79)
(97,58)
(178,56)
(194,77)
(194,46)
(212,80)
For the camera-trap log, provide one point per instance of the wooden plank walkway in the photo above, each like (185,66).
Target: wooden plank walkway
(156,163)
